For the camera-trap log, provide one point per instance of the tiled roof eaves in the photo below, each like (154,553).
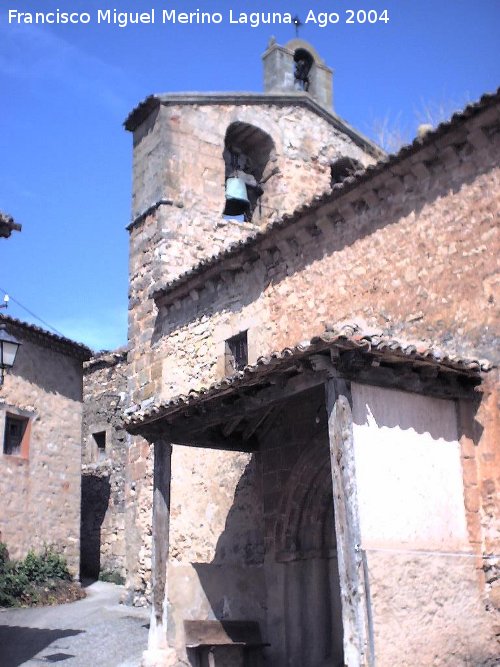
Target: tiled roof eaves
(105,359)
(348,184)
(47,339)
(152,102)
(349,337)
(8,225)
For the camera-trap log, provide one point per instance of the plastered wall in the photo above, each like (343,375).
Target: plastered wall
(428,605)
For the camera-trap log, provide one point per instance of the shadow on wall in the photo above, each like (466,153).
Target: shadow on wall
(234,581)
(422,414)
(276,560)
(53,372)
(96,491)
(18,644)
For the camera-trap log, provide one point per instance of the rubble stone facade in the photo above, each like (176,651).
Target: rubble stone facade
(41,398)
(401,263)
(104,466)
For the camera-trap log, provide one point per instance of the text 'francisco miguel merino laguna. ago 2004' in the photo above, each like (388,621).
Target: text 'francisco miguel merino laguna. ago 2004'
(172,16)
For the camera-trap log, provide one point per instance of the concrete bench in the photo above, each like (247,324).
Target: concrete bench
(224,643)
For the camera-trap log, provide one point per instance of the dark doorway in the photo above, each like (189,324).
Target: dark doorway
(95,500)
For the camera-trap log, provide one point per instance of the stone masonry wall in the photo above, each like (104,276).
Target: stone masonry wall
(40,490)
(415,516)
(138,514)
(412,252)
(104,469)
(420,262)
(216,537)
(178,158)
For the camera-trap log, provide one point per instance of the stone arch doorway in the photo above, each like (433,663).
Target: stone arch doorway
(307,549)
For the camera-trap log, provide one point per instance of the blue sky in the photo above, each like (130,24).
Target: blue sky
(65,90)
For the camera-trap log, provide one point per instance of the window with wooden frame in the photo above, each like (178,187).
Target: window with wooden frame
(236,354)
(16,435)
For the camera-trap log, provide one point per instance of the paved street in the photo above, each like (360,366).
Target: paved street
(94,632)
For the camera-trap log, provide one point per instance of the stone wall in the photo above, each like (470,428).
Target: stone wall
(40,488)
(139,504)
(178,155)
(216,537)
(409,250)
(178,160)
(304,624)
(419,261)
(104,458)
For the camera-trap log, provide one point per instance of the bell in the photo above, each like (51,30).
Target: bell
(236,196)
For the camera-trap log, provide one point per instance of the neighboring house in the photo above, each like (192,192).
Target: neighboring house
(104,459)
(317,381)
(40,435)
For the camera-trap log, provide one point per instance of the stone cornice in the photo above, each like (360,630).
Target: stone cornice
(299,98)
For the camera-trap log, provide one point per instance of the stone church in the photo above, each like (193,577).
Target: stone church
(308,473)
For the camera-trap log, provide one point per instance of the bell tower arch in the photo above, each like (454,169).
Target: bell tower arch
(297,67)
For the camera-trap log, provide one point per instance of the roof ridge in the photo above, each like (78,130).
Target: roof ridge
(52,337)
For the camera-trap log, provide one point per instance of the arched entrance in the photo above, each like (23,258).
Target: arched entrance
(306,547)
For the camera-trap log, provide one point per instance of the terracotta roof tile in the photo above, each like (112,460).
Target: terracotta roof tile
(347,337)
(66,345)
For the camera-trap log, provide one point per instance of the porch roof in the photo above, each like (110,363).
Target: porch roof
(230,412)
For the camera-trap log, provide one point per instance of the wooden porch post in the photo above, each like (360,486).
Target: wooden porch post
(358,646)
(158,652)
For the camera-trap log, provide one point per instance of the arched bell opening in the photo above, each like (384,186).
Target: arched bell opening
(247,150)
(303,65)
(342,168)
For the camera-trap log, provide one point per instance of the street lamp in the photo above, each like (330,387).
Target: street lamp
(8,350)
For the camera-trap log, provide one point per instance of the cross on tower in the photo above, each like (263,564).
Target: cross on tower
(297,23)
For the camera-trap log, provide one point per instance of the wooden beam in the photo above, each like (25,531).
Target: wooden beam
(358,650)
(248,404)
(228,409)
(253,426)
(196,438)
(269,423)
(444,385)
(228,428)
(161,532)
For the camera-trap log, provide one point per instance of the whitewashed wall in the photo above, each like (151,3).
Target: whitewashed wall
(424,590)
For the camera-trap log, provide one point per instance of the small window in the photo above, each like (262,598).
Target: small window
(236,353)
(15,435)
(100,445)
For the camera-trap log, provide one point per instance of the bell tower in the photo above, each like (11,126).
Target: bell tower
(210,169)
(298,67)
